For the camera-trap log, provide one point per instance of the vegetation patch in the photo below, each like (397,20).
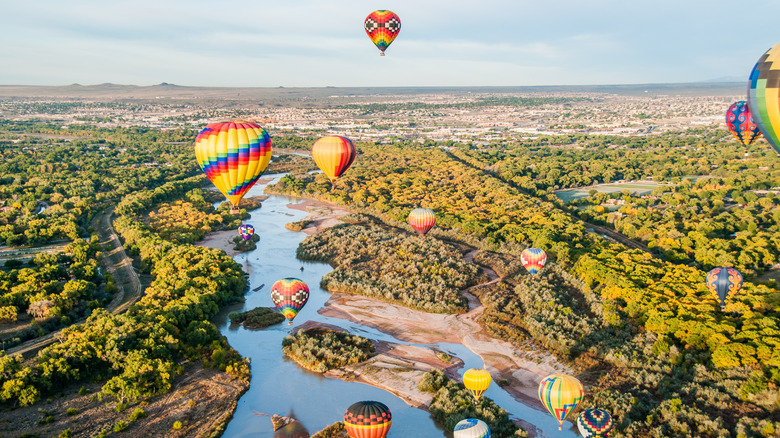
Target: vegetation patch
(297,225)
(321,349)
(424,274)
(257,318)
(452,402)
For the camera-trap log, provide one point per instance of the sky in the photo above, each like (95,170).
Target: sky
(307,43)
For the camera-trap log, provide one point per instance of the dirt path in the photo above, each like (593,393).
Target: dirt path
(116,262)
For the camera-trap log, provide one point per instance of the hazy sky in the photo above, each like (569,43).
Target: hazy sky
(261,43)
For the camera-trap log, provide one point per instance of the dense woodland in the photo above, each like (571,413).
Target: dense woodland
(644,333)
(321,349)
(381,262)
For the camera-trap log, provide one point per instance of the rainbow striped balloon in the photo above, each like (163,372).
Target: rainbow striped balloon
(333,155)
(533,259)
(382,27)
(740,123)
(233,155)
(764,95)
(560,394)
(471,428)
(422,220)
(368,419)
(246,231)
(290,295)
(594,423)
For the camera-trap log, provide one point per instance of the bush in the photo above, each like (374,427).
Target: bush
(137,415)
(64,434)
(72,411)
(120,426)
(176,425)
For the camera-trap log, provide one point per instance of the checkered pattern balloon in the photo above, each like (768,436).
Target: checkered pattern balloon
(560,394)
(741,124)
(764,95)
(382,27)
(422,220)
(290,295)
(594,423)
(533,259)
(368,419)
(233,155)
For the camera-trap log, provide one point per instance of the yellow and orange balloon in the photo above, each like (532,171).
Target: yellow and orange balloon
(233,155)
(560,394)
(333,155)
(477,381)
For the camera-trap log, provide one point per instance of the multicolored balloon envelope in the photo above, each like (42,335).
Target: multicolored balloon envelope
(422,220)
(382,27)
(368,419)
(533,259)
(724,283)
(471,428)
(246,231)
(741,124)
(333,155)
(764,95)
(560,394)
(290,295)
(477,381)
(233,155)
(594,423)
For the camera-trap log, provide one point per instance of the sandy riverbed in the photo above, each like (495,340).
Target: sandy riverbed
(399,368)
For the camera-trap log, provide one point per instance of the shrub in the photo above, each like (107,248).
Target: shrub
(120,426)
(137,415)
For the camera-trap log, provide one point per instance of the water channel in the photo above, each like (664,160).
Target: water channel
(280,386)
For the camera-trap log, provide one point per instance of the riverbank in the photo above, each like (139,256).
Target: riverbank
(321,214)
(202,399)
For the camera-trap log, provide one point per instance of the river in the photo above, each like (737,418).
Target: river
(280,386)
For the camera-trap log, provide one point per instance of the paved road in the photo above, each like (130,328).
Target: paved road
(116,262)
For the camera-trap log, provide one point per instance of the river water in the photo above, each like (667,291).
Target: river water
(280,386)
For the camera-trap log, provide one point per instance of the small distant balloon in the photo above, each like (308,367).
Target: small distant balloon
(594,423)
(246,231)
(368,419)
(290,295)
(560,394)
(724,283)
(477,381)
(533,259)
(382,27)
(333,154)
(740,123)
(764,95)
(422,220)
(471,428)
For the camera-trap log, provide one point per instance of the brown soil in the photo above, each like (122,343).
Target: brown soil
(322,214)
(203,400)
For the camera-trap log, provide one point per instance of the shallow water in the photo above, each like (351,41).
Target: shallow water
(280,386)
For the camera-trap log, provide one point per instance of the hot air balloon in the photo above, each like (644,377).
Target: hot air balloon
(471,428)
(246,231)
(594,423)
(382,27)
(724,283)
(290,295)
(368,419)
(560,394)
(333,155)
(533,259)
(233,155)
(764,95)
(476,380)
(422,220)
(741,124)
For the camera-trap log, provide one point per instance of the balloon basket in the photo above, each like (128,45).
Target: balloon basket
(289,323)
(234,210)
(381,53)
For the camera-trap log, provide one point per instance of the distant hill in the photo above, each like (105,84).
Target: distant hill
(110,91)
